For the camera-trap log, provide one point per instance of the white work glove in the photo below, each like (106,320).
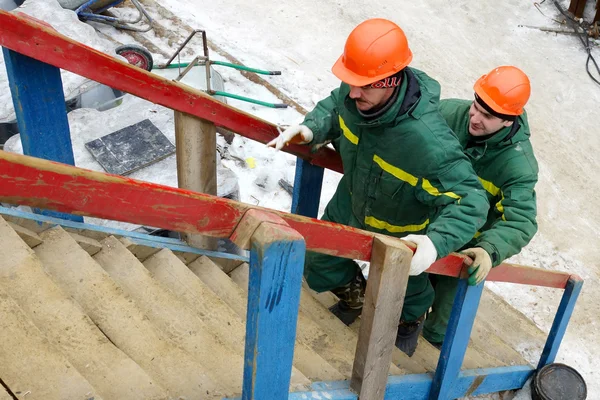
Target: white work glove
(482,264)
(424,256)
(299,134)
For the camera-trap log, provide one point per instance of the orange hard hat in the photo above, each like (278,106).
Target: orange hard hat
(505,90)
(376,49)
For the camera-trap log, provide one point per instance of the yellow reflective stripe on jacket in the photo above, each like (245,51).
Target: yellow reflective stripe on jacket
(395,171)
(347,133)
(477,234)
(489,187)
(375,223)
(500,207)
(432,190)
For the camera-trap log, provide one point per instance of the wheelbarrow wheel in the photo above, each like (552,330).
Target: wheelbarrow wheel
(136,55)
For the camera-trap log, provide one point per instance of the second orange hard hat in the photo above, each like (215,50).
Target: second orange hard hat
(505,90)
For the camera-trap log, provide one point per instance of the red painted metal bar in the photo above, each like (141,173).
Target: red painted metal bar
(45,184)
(34,39)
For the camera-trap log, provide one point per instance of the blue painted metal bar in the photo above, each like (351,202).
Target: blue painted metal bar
(561,321)
(136,237)
(307,189)
(276,265)
(455,345)
(39,102)
(181,246)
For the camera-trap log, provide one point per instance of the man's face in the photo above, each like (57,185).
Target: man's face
(368,98)
(482,123)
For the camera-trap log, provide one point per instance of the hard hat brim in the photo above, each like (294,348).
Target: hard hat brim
(354,79)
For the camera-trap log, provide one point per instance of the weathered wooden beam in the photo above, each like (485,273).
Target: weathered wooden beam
(386,287)
(196,149)
(457,339)
(28,36)
(576,7)
(276,265)
(39,103)
(417,386)
(561,321)
(41,183)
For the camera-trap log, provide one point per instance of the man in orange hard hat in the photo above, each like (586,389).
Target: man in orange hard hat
(405,174)
(494,132)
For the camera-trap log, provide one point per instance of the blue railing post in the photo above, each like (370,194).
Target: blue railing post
(39,102)
(276,264)
(561,321)
(455,344)
(307,189)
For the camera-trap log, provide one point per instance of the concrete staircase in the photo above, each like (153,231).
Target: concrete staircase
(86,315)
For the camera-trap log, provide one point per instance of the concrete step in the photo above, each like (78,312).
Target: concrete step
(4,394)
(307,332)
(322,322)
(120,319)
(426,355)
(509,325)
(67,327)
(221,319)
(91,246)
(30,365)
(28,236)
(172,316)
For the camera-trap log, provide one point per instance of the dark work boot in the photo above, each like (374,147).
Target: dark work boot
(352,298)
(408,335)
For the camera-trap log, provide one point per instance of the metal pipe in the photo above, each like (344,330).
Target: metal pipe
(244,68)
(183,45)
(247,99)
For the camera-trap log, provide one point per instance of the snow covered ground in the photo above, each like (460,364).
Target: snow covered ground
(455,42)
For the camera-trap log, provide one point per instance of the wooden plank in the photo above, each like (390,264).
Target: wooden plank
(576,7)
(29,37)
(196,149)
(491,380)
(29,237)
(561,321)
(40,183)
(249,223)
(457,339)
(417,386)
(276,265)
(307,189)
(39,104)
(384,296)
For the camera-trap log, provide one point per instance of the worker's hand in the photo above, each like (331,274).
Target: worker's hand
(482,264)
(299,134)
(424,256)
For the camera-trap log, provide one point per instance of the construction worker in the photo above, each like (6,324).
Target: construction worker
(405,174)
(494,133)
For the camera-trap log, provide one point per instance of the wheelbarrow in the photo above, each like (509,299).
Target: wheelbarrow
(198,73)
(91,10)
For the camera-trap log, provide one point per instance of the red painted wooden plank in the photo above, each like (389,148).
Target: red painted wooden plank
(27,36)
(45,184)
(528,276)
